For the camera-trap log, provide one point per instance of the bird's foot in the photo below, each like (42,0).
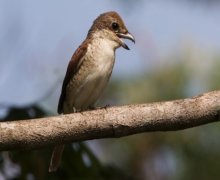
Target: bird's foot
(96,108)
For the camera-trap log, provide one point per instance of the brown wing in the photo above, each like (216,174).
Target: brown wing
(71,70)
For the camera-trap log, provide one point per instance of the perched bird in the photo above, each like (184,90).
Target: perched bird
(90,68)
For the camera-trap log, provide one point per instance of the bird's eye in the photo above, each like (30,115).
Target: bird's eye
(115,26)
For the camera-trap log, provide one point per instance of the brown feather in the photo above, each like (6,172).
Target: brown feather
(103,21)
(56,158)
(71,70)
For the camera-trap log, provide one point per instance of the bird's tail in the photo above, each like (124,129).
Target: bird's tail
(56,158)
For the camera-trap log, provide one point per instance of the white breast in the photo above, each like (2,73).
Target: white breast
(103,54)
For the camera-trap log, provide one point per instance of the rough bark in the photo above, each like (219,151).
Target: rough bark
(111,122)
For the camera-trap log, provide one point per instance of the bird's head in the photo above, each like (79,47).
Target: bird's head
(112,27)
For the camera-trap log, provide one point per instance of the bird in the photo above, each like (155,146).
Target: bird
(90,68)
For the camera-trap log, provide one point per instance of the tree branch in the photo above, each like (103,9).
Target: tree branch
(111,122)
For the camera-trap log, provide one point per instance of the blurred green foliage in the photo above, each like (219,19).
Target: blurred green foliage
(188,154)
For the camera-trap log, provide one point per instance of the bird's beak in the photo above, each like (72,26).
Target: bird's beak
(126,36)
